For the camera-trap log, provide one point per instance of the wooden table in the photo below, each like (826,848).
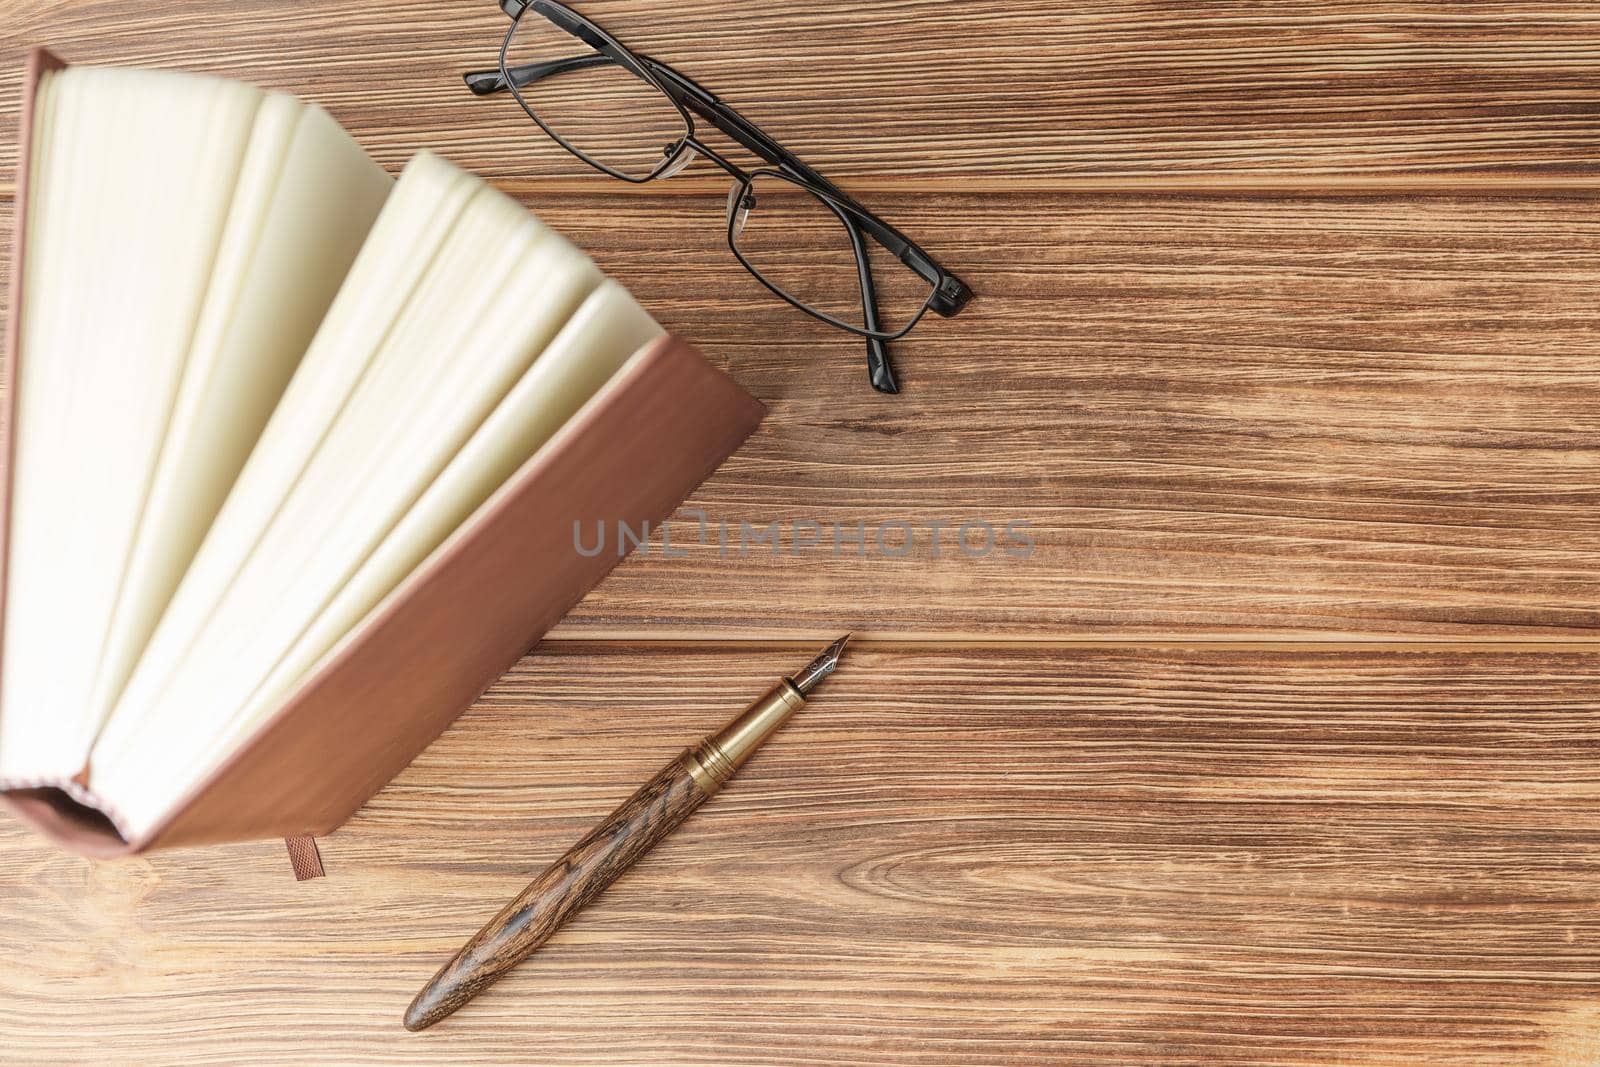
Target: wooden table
(1283,746)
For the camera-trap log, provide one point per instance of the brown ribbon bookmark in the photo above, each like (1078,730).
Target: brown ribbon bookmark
(304,857)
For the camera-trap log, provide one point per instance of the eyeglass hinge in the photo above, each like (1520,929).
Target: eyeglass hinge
(953,295)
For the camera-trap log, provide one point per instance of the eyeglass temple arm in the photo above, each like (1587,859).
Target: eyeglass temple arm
(487,82)
(880,372)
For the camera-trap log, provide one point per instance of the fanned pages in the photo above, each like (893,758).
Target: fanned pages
(151,284)
(605,331)
(306,198)
(368,468)
(259,388)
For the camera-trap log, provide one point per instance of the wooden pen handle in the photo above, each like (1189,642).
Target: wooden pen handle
(565,886)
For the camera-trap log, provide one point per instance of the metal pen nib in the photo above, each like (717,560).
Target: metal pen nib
(818,669)
(718,756)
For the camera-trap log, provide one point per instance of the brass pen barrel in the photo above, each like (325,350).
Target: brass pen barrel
(611,847)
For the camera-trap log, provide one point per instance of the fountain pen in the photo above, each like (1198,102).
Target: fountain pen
(610,848)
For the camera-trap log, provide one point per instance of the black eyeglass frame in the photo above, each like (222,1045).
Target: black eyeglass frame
(948,294)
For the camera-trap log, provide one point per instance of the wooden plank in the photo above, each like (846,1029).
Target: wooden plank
(1273,418)
(991,93)
(973,856)
(1219,416)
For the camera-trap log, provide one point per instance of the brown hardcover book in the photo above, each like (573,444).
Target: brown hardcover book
(460,619)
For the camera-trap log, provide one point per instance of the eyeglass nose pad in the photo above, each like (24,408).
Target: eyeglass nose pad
(738,209)
(686,156)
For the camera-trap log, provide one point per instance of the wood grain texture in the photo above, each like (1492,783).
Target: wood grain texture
(1218,415)
(993,92)
(1258,372)
(1252,416)
(979,856)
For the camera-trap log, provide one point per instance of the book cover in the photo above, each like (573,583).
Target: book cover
(452,627)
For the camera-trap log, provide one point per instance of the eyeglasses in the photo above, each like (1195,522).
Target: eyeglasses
(633,117)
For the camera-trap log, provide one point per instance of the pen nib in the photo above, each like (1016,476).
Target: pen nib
(819,668)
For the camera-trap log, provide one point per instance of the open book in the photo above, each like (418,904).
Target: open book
(269,405)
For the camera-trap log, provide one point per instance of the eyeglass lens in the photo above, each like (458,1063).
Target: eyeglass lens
(801,245)
(602,111)
(798,242)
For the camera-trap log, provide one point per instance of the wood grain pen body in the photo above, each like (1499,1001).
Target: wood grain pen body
(561,891)
(596,861)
